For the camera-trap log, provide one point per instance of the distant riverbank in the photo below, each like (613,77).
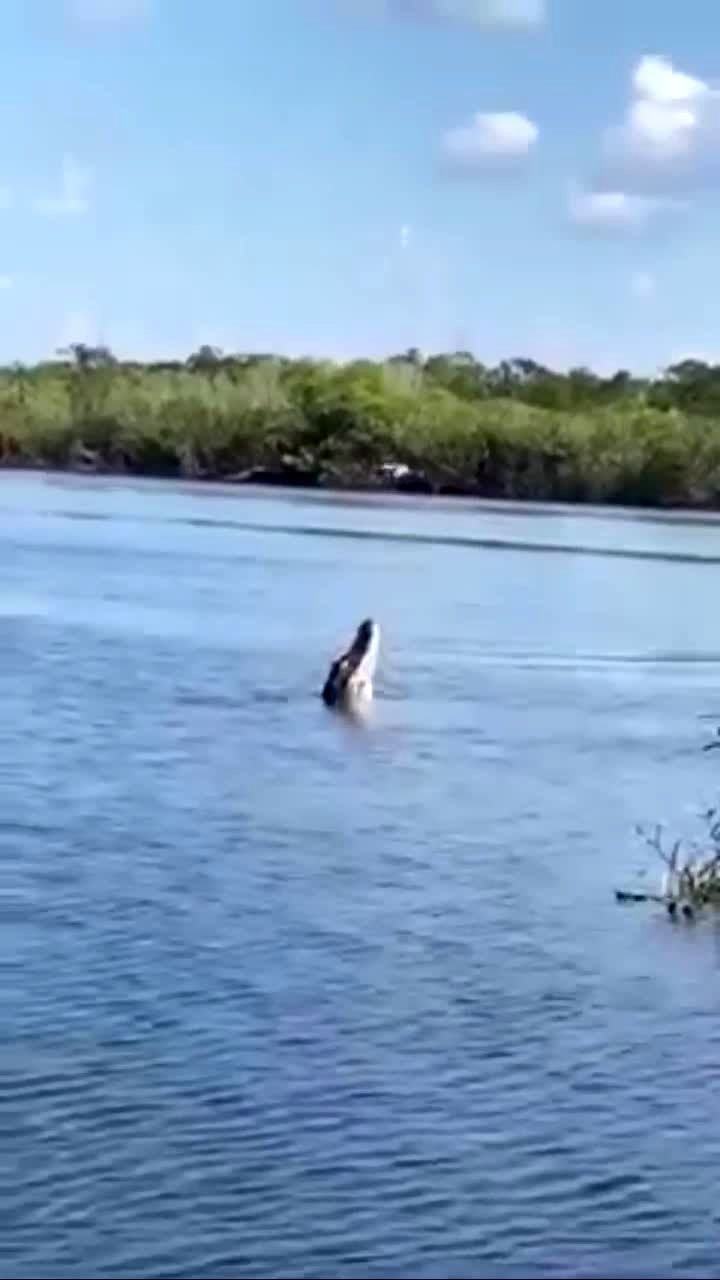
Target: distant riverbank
(410,484)
(446,425)
(388,479)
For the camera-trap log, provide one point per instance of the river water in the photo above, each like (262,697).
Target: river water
(284,996)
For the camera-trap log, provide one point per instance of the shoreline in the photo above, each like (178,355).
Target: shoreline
(281,481)
(439,427)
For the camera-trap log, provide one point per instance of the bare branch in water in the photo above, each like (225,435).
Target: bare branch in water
(692,876)
(655,842)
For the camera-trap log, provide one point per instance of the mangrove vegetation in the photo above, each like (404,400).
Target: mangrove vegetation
(443,423)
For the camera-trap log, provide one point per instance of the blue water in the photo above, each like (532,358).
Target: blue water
(286,997)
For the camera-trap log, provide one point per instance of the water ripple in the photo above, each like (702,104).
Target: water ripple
(222,525)
(288,1000)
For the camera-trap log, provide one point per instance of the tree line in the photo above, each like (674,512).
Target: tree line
(437,423)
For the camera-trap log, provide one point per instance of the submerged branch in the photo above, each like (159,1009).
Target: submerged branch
(691,879)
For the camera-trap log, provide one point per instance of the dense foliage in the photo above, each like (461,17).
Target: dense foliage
(517,430)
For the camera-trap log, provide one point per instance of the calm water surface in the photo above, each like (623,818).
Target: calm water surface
(285,998)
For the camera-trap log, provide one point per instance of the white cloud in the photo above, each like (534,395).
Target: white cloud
(107,11)
(405,234)
(6,282)
(73,196)
(642,284)
(7,198)
(615,211)
(656,79)
(489,137)
(670,136)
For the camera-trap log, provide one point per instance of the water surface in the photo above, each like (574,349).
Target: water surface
(286,998)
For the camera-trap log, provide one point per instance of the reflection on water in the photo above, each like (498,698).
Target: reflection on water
(291,995)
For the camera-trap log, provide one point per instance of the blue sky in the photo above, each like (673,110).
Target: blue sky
(342,177)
